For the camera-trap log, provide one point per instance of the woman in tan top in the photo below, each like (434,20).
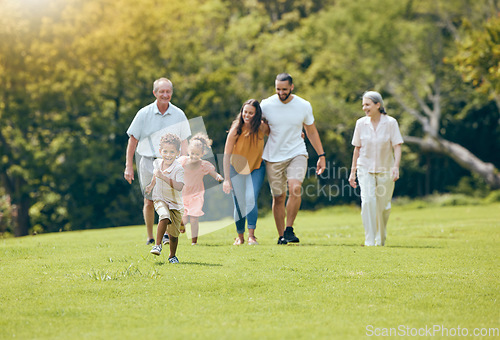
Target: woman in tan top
(244,170)
(376,137)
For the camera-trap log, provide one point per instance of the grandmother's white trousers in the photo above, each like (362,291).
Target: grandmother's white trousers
(376,196)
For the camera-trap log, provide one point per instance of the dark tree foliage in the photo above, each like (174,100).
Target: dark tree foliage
(75,72)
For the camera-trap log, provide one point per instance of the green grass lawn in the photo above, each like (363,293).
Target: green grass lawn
(440,267)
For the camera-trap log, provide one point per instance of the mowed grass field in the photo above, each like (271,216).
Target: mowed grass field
(440,267)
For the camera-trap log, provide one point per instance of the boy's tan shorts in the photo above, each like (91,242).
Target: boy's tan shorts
(174,216)
(278,173)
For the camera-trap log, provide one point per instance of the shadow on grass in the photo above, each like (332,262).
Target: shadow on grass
(204,264)
(363,246)
(416,247)
(211,245)
(201,244)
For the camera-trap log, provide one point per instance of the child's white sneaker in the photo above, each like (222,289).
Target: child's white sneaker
(156,250)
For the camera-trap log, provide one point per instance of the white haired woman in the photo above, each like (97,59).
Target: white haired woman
(377,153)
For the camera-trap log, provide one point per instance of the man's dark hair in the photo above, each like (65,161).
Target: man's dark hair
(284,77)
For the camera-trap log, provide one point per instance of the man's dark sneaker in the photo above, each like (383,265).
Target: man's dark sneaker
(165,239)
(281,240)
(150,241)
(289,236)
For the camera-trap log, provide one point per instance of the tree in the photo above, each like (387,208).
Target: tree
(434,93)
(21,142)
(75,72)
(71,89)
(399,49)
(478,58)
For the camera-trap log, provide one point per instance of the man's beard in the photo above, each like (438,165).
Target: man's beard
(284,99)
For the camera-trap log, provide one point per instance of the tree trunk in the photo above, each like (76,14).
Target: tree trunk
(461,155)
(22,217)
(21,204)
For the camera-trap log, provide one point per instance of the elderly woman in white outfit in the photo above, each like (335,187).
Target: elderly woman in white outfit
(375,137)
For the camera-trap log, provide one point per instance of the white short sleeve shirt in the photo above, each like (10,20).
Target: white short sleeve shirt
(162,191)
(285,122)
(375,153)
(149,121)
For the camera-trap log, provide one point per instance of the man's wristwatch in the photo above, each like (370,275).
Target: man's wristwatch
(322,155)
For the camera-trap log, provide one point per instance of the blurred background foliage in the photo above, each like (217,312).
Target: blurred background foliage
(73,74)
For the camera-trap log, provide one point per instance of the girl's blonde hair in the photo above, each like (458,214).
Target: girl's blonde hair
(201,140)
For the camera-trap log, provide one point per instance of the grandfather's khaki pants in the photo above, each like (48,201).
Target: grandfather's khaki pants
(376,196)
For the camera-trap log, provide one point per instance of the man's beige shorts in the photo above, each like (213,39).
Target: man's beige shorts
(278,173)
(174,216)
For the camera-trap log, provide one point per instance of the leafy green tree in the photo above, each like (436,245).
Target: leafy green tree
(436,89)
(72,89)
(23,140)
(75,72)
(478,58)
(397,48)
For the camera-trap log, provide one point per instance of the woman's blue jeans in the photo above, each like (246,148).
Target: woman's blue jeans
(246,189)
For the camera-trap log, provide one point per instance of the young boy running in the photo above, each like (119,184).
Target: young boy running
(167,184)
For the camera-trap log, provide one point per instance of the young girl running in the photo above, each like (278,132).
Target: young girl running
(244,169)
(195,168)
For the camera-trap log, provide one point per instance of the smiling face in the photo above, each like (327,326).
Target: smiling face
(248,113)
(371,109)
(284,90)
(163,92)
(195,152)
(168,153)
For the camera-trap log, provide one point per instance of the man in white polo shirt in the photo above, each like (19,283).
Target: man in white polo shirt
(145,131)
(285,152)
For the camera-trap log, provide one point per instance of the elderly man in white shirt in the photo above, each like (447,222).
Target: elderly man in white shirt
(375,138)
(149,124)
